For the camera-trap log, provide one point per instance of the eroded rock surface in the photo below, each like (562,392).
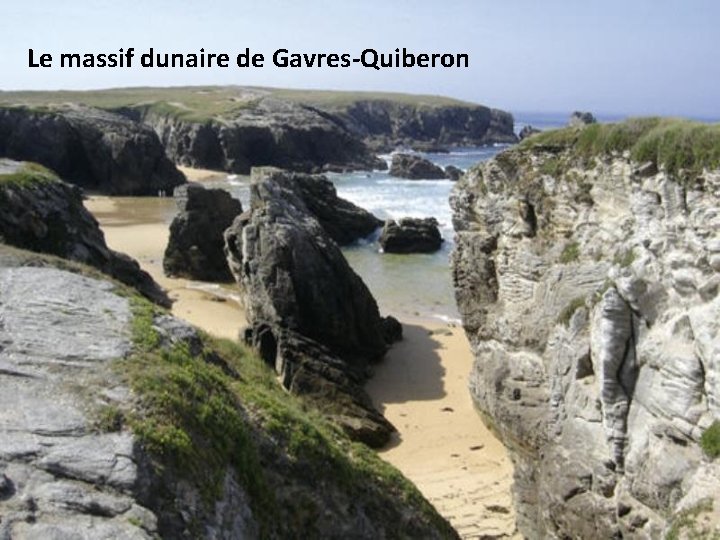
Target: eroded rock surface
(414,167)
(411,235)
(91,148)
(308,312)
(196,248)
(72,464)
(589,294)
(41,213)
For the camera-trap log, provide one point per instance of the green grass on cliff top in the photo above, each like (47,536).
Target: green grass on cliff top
(28,174)
(203,103)
(200,414)
(682,147)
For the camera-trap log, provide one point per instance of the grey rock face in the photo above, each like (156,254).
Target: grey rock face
(590,301)
(94,149)
(386,125)
(415,167)
(49,217)
(196,248)
(59,332)
(342,220)
(272,132)
(308,312)
(411,235)
(453,173)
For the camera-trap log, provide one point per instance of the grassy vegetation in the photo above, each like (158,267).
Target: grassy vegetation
(710,440)
(624,258)
(682,147)
(204,103)
(197,418)
(568,311)
(686,524)
(28,174)
(570,253)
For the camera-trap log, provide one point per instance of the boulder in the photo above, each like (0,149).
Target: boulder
(453,173)
(39,212)
(94,149)
(308,313)
(415,167)
(342,220)
(196,248)
(579,118)
(527,131)
(411,235)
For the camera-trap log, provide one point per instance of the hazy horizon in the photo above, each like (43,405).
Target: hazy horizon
(614,59)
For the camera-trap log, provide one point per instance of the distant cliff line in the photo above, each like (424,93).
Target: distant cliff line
(236,128)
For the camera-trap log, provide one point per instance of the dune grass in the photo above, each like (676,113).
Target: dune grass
(206,103)
(682,148)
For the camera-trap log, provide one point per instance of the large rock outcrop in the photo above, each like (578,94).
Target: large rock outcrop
(386,124)
(196,247)
(344,221)
(41,213)
(267,132)
(414,167)
(119,421)
(411,235)
(308,312)
(588,285)
(88,147)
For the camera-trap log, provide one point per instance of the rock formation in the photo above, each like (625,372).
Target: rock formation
(579,118)
(308,313)
(236,128)
(88,147)
(386,124)
(267,132)
(453,173)
(414,167)
(588,285)
(39,212)
(119,421)
(342,220)
(527,131)
(411,235)
(196,248)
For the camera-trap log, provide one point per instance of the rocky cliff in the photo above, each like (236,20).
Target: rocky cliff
(235,128)
(119,421)
(587,273)
(88,147)
(386,124)
(41,213)
(308,313)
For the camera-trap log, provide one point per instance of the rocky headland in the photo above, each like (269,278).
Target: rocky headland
(587,273)
(236,128)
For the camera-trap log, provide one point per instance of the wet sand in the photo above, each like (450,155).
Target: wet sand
(421,386)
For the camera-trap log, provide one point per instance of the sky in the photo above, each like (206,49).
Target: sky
(609,57)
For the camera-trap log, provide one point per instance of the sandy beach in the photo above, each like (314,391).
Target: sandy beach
(421,386)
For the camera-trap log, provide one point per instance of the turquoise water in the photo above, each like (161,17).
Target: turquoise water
(407,286)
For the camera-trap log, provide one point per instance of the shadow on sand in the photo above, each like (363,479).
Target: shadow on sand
(411,370)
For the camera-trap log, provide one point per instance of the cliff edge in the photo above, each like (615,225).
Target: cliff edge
(587,273)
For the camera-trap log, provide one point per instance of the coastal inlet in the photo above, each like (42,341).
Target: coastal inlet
(416,286)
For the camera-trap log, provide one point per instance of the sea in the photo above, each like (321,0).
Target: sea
(415,286)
